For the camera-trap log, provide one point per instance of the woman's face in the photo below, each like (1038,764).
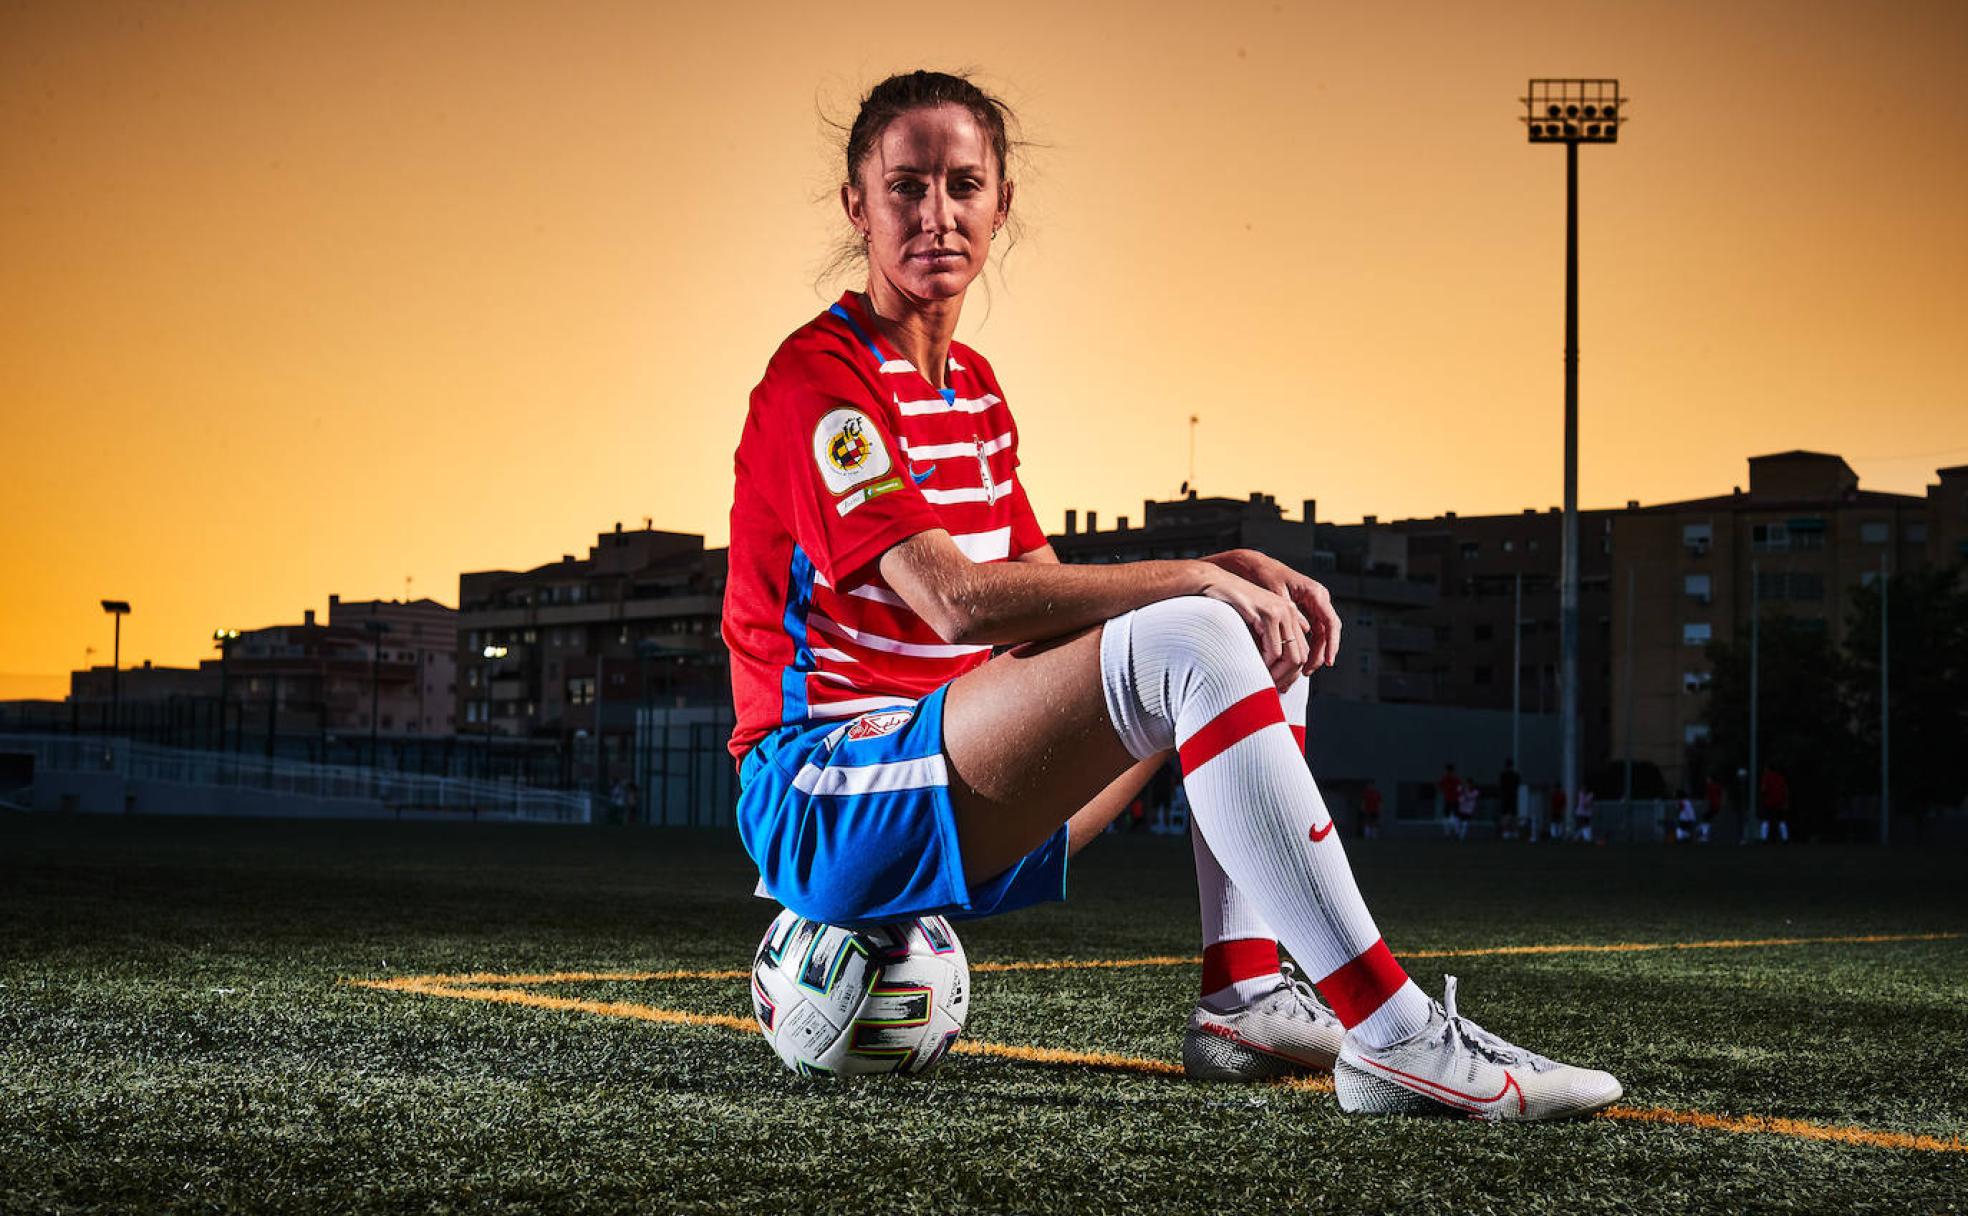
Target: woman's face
(928,200)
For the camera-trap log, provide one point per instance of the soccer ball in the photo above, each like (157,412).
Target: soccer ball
(848,1001)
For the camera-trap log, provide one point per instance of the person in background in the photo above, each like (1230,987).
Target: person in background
(1712,795)
(1370,811)
(1582,816)
(1775,799)
(1684,817)
(1509,785)
(1554,827)
(1465,813)
(1448,788)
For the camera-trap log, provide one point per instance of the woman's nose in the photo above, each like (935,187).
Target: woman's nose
(939,210)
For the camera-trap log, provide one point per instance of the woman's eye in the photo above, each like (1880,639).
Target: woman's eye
(907,187)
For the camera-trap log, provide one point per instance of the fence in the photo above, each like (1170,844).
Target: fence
(141,766)
(684,774)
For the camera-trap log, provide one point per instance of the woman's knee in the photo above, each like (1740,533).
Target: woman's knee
(1191,621)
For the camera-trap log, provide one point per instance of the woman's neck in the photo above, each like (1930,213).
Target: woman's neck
(921,330)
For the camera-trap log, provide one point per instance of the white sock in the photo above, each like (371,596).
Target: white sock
(1229,916)
(1184,673)
(1240,952)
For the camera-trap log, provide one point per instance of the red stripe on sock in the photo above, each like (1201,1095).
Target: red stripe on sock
(1364,984)
(1232,726)
(1247,958)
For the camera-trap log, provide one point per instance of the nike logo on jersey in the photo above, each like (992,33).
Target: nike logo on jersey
(1319,832)
(924,475)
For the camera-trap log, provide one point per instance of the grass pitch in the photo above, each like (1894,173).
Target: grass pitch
(178,1033)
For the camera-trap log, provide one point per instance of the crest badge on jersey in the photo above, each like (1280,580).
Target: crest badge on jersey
(874,726)
(849,450)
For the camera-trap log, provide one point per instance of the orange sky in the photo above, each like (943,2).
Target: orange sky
(299,299)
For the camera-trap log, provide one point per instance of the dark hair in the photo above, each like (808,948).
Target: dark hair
(898,95)
(918,90)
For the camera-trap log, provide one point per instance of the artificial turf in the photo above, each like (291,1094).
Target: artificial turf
(176,1034)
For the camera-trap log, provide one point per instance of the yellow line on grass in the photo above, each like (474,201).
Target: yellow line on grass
(487,986)
(1739,943)
(1114,1062)
(1798,1128)
(1190,960)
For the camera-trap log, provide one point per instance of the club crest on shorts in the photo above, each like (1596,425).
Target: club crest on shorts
(874,726)
(849,450)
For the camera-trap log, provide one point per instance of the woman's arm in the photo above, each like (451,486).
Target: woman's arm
(1022,601)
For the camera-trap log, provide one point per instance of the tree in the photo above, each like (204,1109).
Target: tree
(1927,685)
(1804,724)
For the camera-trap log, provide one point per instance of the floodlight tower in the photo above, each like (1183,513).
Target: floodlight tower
(118,609)
(1572,112)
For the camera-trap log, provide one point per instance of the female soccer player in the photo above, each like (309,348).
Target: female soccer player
(890,767)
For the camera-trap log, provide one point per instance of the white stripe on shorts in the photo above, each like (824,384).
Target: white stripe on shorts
(917,774)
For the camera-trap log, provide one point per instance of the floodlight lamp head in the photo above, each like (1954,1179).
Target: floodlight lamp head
(1573,111)
(117,607)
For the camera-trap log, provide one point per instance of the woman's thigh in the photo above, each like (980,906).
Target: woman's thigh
(1029,742)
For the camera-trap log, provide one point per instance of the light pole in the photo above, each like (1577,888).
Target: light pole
(1755,800)
(1885,704)
(223,639)
(376,630)
(1572,112)
(491,654)
(118,609)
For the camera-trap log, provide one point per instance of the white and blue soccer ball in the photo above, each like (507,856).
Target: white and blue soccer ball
(851,1001)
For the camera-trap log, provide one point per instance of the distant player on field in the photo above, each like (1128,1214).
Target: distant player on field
(890,767)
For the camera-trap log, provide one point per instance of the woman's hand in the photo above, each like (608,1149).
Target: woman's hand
(1276,624)
(1312,599)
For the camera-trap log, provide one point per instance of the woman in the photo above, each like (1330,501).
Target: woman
(881,545)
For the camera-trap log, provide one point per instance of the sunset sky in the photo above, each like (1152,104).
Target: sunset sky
(299,299)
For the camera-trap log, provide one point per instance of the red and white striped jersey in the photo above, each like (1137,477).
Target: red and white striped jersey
(846,451)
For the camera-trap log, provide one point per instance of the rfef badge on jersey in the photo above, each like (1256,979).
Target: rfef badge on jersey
(849,450)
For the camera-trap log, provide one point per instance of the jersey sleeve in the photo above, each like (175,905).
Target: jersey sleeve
(846,492)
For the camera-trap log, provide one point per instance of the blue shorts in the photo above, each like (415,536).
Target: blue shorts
(851,822)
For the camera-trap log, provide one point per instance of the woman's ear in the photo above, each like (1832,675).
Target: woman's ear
(1004,201)
(851,204)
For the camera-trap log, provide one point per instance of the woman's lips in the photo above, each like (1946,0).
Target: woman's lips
(938,255)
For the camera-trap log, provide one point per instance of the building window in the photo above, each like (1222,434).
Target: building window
(1697,587)
(1531,545)
(1469,549)
(1509,546)
(1696,681)
(580,690)
(1697,538)
(1696,633)
(1366,661)
(1694,732)
(1797,586)
(471,641)
(1364,620)
(471,678)
(1873,533)
(531,635)
(1769,538)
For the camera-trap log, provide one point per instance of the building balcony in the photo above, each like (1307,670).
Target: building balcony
(1414,687)
(1406,639)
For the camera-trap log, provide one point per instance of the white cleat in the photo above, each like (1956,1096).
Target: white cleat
(1282,1033)
(1452,1066)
